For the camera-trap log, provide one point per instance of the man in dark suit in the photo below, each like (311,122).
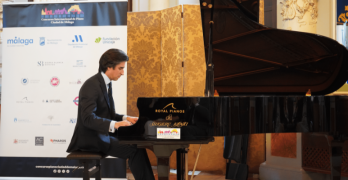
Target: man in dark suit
(97,122)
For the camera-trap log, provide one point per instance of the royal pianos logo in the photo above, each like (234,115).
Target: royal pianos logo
(169,108)
(63,16)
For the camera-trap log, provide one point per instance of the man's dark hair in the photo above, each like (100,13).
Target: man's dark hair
(111,58)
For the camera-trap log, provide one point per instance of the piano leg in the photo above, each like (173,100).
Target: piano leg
(181,162)
(336,159)
(163,153)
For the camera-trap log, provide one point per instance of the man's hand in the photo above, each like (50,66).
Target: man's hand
(132,120)
(122,123)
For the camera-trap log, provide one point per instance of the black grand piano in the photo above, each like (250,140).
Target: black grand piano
(268,81)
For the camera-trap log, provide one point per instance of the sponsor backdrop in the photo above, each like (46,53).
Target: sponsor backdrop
(49,51)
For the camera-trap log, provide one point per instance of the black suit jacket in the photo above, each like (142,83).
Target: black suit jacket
(93,119)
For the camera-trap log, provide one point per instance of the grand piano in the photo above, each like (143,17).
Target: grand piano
(268,81)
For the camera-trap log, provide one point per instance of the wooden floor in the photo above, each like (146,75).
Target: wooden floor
(200,176)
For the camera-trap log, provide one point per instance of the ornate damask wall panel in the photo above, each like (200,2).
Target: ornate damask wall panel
(194,58)
(144,51)
(172,56)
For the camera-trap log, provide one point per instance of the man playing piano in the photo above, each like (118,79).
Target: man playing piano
(98,123)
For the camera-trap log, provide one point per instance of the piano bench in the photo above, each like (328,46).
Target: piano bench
(86,158)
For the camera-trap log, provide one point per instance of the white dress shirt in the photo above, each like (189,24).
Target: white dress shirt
(107,81)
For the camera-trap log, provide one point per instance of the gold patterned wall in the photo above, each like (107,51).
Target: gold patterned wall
(144,52)
(194,58)
(172,57)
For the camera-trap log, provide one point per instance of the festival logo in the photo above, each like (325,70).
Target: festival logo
(63,16)
(168,133)
(55,81)
(76,101)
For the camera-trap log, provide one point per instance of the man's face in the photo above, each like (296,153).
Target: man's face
(117,72)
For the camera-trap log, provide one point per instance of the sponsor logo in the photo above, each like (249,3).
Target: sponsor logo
(42,41)
(20,141)
(77,42)
(49,121)
(168,133)
(76,82)
(48,63)
(63,16)
(77,38)
(97,40)
(169,108)
(17,120)
(76,101)
(107,40)
(39,141)
(79,63)
(55,81)
(52,101)
(17,41)
(58,141)
(25,81)
(25,100)
(72,120)
(53,41)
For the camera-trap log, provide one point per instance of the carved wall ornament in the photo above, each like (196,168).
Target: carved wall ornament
(298,8)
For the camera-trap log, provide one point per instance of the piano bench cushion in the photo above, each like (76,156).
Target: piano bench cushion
(80,155)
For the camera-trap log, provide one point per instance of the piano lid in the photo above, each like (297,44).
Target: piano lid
(249,58)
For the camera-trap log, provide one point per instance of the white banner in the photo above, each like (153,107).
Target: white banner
(43,70)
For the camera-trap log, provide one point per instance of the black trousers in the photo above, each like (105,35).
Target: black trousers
(139,162)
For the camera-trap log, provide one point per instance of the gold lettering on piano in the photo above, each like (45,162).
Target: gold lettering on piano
(177,124)
(172,110)
(170,104)
(169,117)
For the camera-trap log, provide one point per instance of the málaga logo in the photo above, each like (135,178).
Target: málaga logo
(63,16)
(19,41)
